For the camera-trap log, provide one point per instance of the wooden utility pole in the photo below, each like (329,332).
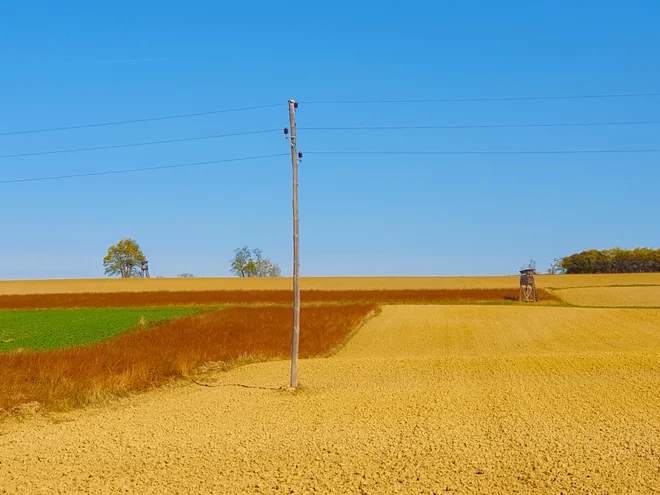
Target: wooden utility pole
(296,259)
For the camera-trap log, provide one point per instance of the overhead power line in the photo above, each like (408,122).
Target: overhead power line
(135,121)
(476,126)
(505,98)
(487,152)
(144,143)
(331,102)
(353,128)
(142,169)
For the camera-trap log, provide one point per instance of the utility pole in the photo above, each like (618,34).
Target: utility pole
(293,105)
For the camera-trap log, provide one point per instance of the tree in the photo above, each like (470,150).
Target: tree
(185,275)
(252,263)
(242,256)
(531,265)
(263,267)
(556,267)
(615,260)
(123,259)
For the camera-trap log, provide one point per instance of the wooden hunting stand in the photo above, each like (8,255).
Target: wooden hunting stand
(528,286)
(144,269)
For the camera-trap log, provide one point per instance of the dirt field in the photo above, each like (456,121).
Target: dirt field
(318,283)
(423,400)
(612,296)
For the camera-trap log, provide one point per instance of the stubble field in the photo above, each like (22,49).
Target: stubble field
(633,296)
(317,283)
(423,399)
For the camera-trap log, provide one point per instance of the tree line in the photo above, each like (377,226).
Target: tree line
(615,260)
(126,258)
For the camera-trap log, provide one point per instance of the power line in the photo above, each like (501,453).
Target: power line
(506,98)
(145,143)
(337,102)
(135,121)
(143,169)
(488,152)
(355,128)
(476,126)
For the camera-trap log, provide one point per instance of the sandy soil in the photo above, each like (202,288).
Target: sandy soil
(316,283)
(423,400)
(612,296)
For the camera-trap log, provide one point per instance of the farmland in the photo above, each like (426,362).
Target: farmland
(57,329)
(639,295)
(316,283)
(454,393)
(145,359)
(262,297)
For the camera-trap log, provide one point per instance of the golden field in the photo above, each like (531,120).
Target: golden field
(612,296)
(423,399)
(431,331)
(317,283)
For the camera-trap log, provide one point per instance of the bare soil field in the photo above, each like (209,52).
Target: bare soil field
(648,295)
(281,297)
(445,399)
(316,283)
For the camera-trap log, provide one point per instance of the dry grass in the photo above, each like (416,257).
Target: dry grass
(142,360)
(164,298)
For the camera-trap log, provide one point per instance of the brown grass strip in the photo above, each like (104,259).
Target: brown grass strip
(162,298)
(142,360)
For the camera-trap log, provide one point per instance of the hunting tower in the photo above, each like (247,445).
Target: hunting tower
(144,269)
(528,286)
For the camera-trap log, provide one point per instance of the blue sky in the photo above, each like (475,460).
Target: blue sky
(69,63)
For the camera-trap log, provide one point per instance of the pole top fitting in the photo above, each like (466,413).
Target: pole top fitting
(295,103)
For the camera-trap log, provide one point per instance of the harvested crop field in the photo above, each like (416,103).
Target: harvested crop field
(251,284)
(596,280)
(493,399)
(648,295)
(316,283)
(281,297)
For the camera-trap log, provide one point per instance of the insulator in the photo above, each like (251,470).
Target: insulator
(286,131)
(295,104)
(300,155)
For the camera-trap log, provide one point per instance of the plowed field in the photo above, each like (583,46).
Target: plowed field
(423,400)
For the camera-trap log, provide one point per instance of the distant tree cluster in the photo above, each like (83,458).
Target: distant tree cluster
(252,263)
(126,259)
(613,261)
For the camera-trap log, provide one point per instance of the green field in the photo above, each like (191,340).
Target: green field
(40,330)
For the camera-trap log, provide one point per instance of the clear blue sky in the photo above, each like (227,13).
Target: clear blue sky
(70,63)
